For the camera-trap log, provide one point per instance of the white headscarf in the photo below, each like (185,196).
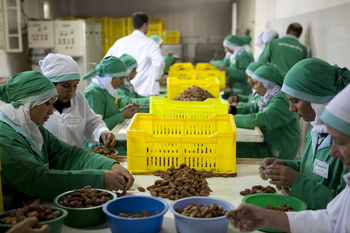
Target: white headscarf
(318,125)
(105,83)
(271,90)
(265,37)
(21,117)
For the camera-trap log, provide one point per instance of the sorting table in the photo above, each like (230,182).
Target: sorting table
(224,188)
(243,135)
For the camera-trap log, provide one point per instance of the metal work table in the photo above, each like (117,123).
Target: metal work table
(243,135)
(224,188)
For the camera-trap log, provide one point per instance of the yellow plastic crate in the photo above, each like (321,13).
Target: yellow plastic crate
(129,27)
(155,144)
(182,74)
(177,86)
(117,29)
(171,37)
(205,66)
(164,108)
(182,66)
(221,75)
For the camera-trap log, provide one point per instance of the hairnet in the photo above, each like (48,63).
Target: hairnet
(109,67)
(265,37)
(252,67)
(157,39)
(233,42)
(129,61)
(268,74)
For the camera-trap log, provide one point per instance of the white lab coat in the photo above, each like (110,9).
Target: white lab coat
(76,122)
(333,219)
(149,59)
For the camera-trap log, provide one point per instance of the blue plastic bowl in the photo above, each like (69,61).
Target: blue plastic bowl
(186,224)
(135,205)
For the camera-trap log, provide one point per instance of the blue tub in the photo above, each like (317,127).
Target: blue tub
(135,205)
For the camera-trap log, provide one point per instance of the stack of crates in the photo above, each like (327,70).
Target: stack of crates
(105,32)
(117,29)
(129,27)
(171,37)
(156,26)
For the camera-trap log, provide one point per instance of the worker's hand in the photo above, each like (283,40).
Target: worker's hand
(169,54)
(131,105)
(227,79)
(163,80)
(113,181)
(247,217)
(266,163)
(233,100)
(281,175)
(129,112)
(108,138)
(120,170)
(177,57)
(222,68)
(26,226)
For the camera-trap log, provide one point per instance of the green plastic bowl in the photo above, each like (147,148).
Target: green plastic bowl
(84,217)
(263,199)
(55,224)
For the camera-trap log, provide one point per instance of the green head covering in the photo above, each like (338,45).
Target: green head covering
(315,81)
(129,61)
(109,67)
(26,87)
(268,74)
(232,41)
(157,39)
(245,39)
(252,67)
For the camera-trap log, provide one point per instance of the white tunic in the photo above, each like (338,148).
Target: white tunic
(149,59)
(336,218)
(76,122)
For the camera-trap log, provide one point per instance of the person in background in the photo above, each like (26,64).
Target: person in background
(317,177)
(126,93)
(240,59)
(72,119)
(279,126)
(101,94)
(264,38)
(239,99)
(335,217)
(169,59)
(147,54)
(34,163)
(286,51)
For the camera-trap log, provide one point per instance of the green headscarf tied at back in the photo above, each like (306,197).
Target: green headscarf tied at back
(315,81)
(245,39)
(252,67)
(129,61)
(157,39)
(232,41)
(109,67)
(268,74)
(26,87)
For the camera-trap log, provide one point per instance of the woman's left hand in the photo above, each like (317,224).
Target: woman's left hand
(119,170)
(281,175)
(108,139)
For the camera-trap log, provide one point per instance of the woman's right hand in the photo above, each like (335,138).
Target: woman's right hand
(113,181)
(26,226)
(129,112)
(266,163)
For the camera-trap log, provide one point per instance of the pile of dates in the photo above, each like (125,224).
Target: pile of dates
(43,213)
(199,211)
(258,189)
(84,198)
(101,151)
(281,208)
(144,214)
(181,182)
(194,93)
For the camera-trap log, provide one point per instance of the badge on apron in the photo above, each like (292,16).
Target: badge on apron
(73,120)
(321,168)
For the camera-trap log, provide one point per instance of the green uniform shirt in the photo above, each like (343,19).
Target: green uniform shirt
(236,73)
(125,97)
(60,168)
(243,99)
(279,126)
(168,61)
(225,62)
(283,52)
(315,190)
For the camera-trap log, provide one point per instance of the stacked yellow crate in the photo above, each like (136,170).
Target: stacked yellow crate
(171,37)
(105,32)
(117,29)
(129,27)
(156,26)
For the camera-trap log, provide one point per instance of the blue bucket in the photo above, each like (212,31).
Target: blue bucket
(135,205)
(186,224)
